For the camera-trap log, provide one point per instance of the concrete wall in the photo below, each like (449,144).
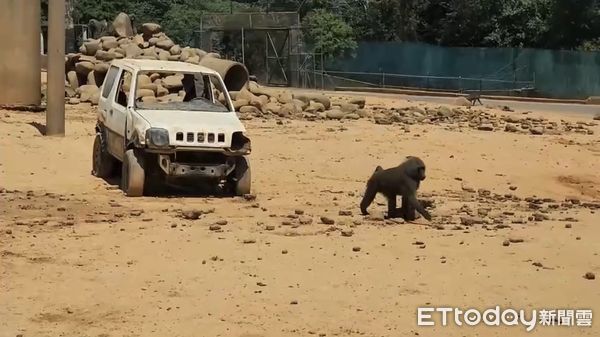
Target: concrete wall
(20,52)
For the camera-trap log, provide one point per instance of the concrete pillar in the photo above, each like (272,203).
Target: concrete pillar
(20,80)
(55,108)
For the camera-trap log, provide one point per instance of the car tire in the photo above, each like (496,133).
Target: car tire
(243,178)
(133,175)
(103,163)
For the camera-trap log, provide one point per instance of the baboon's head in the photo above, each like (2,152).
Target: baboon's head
(415,168)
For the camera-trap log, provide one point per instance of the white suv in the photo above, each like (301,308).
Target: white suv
(168,121)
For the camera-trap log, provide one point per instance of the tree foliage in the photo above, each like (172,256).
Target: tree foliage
(329,34)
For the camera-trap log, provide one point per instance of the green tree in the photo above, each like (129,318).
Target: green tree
(329,33)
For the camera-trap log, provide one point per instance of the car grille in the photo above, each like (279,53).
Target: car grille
(200,137)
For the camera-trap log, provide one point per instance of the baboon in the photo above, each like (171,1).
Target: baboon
(474,97)
(401,180)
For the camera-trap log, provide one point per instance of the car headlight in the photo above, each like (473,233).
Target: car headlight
(157,137)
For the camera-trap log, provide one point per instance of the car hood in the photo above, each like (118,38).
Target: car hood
(182,120)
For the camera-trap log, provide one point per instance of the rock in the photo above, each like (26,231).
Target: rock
(315,107)
(166,44)
(327,221)
(356,249)
(334,114)
(73,79)
(101,68)
(589,276)
(249,109)
(91,79)
(84,68)
(172,82)
(144,93)
(173,57)
(269,227)
(191,215)
(352,116)
(193,59)
(95,98)
(511,128)
(150,86)
(289,109)
(105,56)
(175,50)
(359,101)
(237,104)
(513,119)
(470,221)
(506,243)
(383,120)
(305,220)
(300,105)
(163,55)
(284,97)
(132,51)
(161,91)
(362,113)
(486,127)
(349,108)
(271,108)
(149,99)
(537,130)
(92,46)
(315,97)
(138,40)
(149,28)
(347,232)
(214,227)
(248,241)
(345,213)
(122,25)
(515,240)
(461,101)
(185,54)
(109,42)
(597,117)
(74,100)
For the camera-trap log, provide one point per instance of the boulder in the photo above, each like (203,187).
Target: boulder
(161,91)
(153,41)
(163,55)
(144,93)
(175,50)
(132,51)
(537,130)
(334,114)
(91,79)
(122,25)
(95,98)
(109,42)
(149,99)
(87,91)
(315,97)
(272,108)
(359,101)
(285,97)
(166,44)
(150,86)
(138,40)
(154,76)
(185,54)
(84,68)
(349,107)
(150,28)
(193,59)
(173,82)
(105,56)
(143,80)
(173,58)
(237,104)
(91,47)
(73,79)
(300,104)
(249,109)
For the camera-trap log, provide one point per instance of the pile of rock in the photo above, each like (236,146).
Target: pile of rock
(265,102)
(462,117)
(85,71)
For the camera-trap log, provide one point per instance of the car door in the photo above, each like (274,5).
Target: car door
(116,111)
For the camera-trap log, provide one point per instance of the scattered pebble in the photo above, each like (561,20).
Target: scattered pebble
(284,251)
(345,213)
(214,227)
(269,227)
(248,241)
(191,215)
(356,249)
(347,232)
(506,243)
(327,221)
(589,276)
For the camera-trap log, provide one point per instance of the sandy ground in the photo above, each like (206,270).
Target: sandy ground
(77,258)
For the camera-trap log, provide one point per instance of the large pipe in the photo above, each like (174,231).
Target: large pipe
(55,114)
(234,74)
(20,81)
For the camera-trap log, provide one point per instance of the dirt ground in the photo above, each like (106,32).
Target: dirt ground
(77,258)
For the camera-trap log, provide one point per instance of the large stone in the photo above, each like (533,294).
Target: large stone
(249,109)
(272,108)
(185,54)
(132,51)
(537,130)
(175,50)
(138,40)
(300,104)
(161,91)
(95,98)
(143,80)
(285,97)
(314,97)
(105,55)
(86,91)
(334,114)
(109,42)
(91,47)
(163,55)
(511,128)
(513,119)
(122,25)
(153,41)
(91,79)
(237,104)
(349,107)
(289,109)
(193,59)
(165,44)
(173,58)
(150,28)
(144,93)
(84,68)
(173,82)
(360,101)
(150,86)
(150,51)
(73,79)
(101,68)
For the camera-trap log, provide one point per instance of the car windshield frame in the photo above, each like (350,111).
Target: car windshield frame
(198,102)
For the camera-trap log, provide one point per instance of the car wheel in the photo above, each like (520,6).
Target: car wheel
(103,163)
(243,178)
(133,175)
